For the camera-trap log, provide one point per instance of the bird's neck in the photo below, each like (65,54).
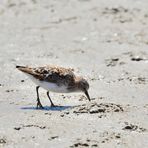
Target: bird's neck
(75,86)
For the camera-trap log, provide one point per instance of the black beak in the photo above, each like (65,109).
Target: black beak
(86,93)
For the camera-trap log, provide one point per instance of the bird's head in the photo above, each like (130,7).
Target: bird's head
(83,86)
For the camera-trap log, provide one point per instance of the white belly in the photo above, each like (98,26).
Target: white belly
(49,86)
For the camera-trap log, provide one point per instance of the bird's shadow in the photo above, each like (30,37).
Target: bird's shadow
(49,108)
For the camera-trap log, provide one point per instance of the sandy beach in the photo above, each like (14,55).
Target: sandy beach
(106,41)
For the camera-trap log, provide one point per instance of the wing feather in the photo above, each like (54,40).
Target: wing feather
(58,75)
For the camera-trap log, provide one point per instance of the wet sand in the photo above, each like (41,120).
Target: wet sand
(104,41)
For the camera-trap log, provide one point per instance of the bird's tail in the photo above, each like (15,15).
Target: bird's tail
(25,69)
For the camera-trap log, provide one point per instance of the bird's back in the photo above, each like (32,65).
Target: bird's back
(52,74)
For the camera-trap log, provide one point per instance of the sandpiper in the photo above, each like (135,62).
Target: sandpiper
(55,79)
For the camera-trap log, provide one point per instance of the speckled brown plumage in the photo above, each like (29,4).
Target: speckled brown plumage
(53,74)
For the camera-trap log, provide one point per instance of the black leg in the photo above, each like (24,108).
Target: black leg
(50,99)
(39,105)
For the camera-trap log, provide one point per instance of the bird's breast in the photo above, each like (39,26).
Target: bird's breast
(50,86)
(53,87)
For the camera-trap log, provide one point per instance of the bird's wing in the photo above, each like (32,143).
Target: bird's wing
(53,74)
(58,75)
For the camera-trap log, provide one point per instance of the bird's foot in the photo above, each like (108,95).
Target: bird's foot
(39,106)
(52,105)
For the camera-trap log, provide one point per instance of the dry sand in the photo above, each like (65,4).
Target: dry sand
(104,40)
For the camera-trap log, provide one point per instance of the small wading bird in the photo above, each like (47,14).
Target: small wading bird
(55,79)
